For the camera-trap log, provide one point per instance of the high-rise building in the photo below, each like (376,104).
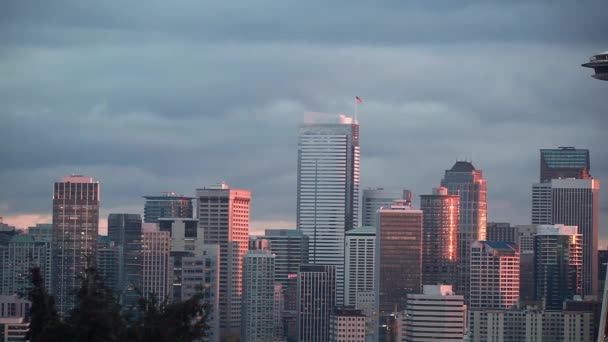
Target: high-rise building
(441,214)
(75,229)
(290,247)
(316,301)
(347,324)
(438,314)
(258,297)
(360,253)
(398,256)
(194,266)
(494,275)
(22,253)
(125,230)
(564,162)
(156,266)
(573,202)
(200,274)
(558,265)
(501,232)
(467,182)
(328,187)
(167,204)
(525,241)
(223,215)
(106,259)
(373,199)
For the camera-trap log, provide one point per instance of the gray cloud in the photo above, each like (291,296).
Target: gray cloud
(152,99)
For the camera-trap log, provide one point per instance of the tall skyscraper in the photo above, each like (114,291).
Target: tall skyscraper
(564,162)
(398,256)
(441,214)
(573,202)
(373,199)
(328,187)
(258,297)
(438,314)
(467,182)
(360,253)
(558,265)
(494,275)
(75,229)
(316,301)
(156,265)
(168,204)
(223,215)
(290,247)
(124,230)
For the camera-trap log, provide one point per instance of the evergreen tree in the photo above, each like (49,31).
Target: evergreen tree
(45,323)
(96,316)
(172,322)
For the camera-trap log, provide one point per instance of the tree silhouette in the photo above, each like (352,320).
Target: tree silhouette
(45,323)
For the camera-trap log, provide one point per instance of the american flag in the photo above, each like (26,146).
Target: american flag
(358,99)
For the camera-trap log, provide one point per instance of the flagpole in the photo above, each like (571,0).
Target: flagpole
(356,110)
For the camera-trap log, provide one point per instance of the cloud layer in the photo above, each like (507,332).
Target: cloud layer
(171,97)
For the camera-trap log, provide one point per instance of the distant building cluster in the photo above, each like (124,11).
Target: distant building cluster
(437,272)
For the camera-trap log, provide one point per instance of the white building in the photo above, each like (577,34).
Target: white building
(347,325)
(258,317)
(359,263)
(373,199)
(156,268)
(328,187)
(13,325)
(223,215)
(573,202)
(436,315)
(494,277)
(530,324)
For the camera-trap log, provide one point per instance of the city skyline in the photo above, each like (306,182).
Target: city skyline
(127,119)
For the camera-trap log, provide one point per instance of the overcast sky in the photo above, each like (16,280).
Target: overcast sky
(153,96)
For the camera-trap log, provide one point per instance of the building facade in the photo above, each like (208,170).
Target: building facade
(467,182)
(347,324)
(20,254)
(398,256)
(441,214)
(328,187)
(107,262)
(316,301)
(558,265)
(167,204)
(75,230)
(223,215)
(564,162)
(156,264)
(501,232)
(494,275)
(435,315)
(373,199)
(573,202)
(124,230)
(290,248)
(360,253)
(258,313)
(530,324)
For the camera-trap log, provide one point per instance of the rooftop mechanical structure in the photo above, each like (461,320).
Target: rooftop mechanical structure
(599,63)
